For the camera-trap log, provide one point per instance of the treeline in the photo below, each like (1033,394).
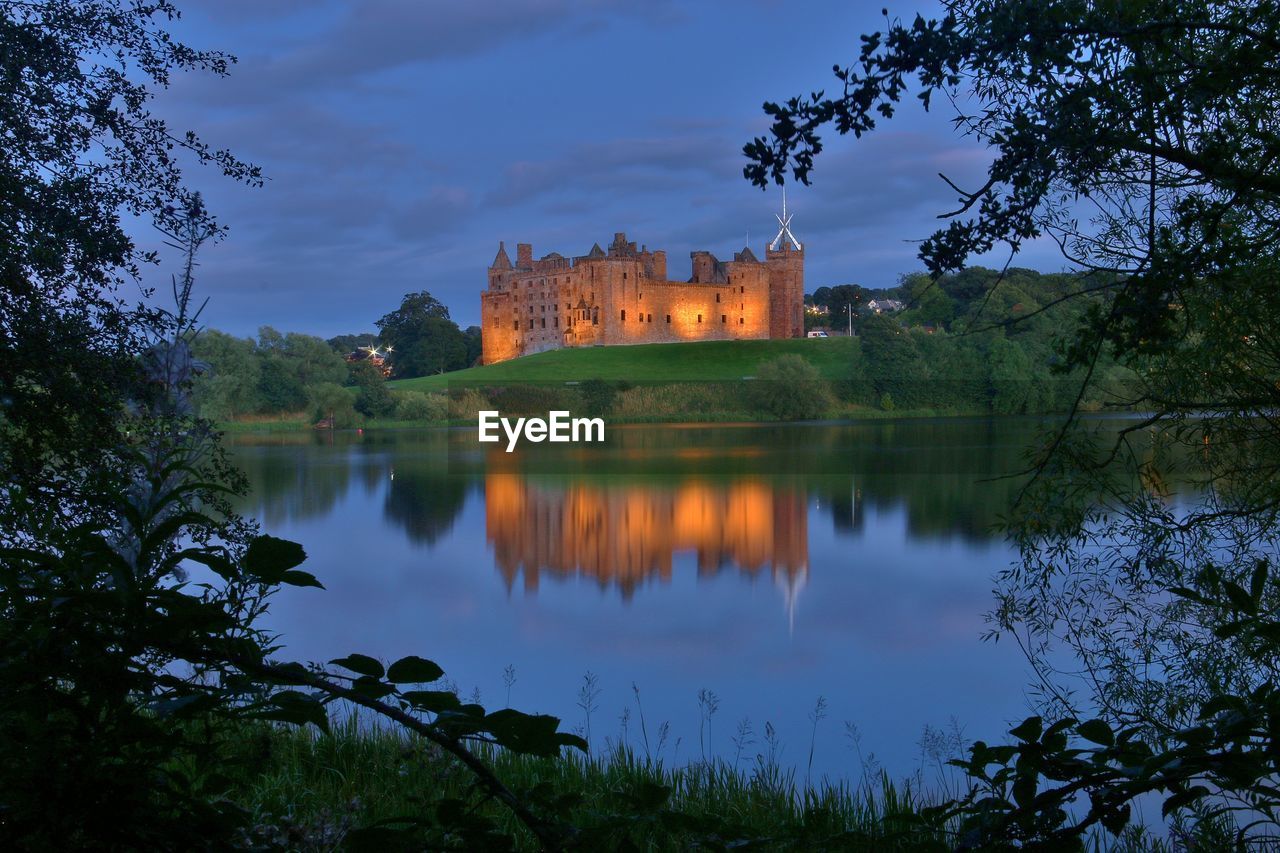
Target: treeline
(977,340)
(284,373)
(292,373)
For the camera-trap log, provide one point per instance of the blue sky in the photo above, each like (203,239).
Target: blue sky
(403,140)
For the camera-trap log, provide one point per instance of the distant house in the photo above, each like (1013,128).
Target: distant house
(885,306)
(375,357)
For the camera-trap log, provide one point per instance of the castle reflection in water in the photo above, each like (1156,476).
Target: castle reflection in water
(626,535)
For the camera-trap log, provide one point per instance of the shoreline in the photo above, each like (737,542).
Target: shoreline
(294,424)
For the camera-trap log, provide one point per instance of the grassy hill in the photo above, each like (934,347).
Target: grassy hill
(707,360)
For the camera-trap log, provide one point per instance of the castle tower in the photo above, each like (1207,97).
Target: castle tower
(784,256)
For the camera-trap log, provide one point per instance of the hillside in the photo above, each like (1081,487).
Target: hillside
(703,360)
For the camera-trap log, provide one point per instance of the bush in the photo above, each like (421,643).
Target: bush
(328,399)
(886,401)
(598,396)
(790,389)
(417,406)
(372,397)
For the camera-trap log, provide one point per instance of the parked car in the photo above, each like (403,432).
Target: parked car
(817,333)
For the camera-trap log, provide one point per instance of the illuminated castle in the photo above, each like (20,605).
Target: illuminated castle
(622,296)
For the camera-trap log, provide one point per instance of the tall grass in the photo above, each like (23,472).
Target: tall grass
(310,787)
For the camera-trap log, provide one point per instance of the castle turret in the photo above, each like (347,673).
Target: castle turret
(784,256)
(501,261)
(524,256)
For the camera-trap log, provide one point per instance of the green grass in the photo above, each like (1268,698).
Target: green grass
(307,791)
(704,360)
(313,788)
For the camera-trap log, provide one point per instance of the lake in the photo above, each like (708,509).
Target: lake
(770,565)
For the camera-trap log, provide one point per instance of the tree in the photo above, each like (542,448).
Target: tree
(844,298)
(229,388)
(372,397)
(344,344)
(475,346)
(82,153)
(423,338)
(893,362)
(1140,137)
(789,388)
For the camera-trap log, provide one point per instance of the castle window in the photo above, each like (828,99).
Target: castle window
(544,322)
(624,276)
(516,325)
(624,315)
(699,318)
(723,318)
(740,321)
(650,320)
(557,322)
(639,296)
(742,289)
(668,318)
(530,324)
(595,317)
(717,297)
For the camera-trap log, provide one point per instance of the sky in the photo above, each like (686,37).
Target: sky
(402,140)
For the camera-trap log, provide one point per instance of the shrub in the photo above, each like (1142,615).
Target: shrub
(328,399)
(598,396)
(418,406)
(790,388)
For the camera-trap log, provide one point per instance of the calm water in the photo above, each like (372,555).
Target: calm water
(768,564)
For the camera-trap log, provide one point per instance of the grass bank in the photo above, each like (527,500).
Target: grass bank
(310,790)
(306,790)
(698,361)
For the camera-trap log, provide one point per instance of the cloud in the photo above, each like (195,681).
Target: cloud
(621,165)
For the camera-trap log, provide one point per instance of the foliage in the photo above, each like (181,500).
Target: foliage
(372,397)
(790,388)
(329,400)
(82,153)
(346,344)
(1137,136)
(1223,762)
(424,339)
(313,785)
(598,396)
(276,373)
(417,406)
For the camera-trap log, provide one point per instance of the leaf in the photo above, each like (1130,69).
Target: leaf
(297,577)
(269,558)
(1240,600)
(291,706)
(434,701)
(414,670)
(1116,819)
(372,687)
(579,743)
(361,664)
(532,734)
(1097,732)
(1258,583)
(1029,730)
(1182,798)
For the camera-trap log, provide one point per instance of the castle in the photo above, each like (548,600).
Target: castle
(622,296)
